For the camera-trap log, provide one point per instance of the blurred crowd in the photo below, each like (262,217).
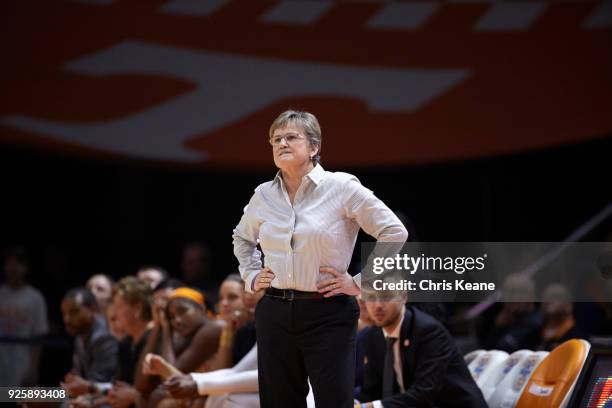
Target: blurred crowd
(152,339)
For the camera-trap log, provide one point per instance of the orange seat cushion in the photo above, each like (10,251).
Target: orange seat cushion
(554,377)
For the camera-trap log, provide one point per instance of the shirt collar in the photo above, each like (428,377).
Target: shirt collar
(396,332)
(316,175)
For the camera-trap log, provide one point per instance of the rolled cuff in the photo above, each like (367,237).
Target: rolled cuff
(199,383)
(103,386)
(200,380)
(250,281)
(357,280)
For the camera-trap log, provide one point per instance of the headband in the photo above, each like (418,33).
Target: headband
(187,293)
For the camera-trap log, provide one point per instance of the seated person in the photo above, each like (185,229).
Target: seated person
(113,323)
(238,335)
(517,326)
(95,349)
(411,359)
(559,322)
(162,292)
(161,295)
(235,387)
(152,274)
(243,323)
(132,305)
(159,300)
(101,286)
(197,337)
(229,387)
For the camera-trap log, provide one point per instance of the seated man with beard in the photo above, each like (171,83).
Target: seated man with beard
(95,349)
(411,360)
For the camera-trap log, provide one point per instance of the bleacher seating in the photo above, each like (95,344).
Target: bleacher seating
(528,379)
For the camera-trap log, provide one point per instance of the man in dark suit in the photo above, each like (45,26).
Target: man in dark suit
(412,361)
(95,349)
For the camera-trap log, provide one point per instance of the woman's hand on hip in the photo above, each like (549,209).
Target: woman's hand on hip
(342,282)
(263,279)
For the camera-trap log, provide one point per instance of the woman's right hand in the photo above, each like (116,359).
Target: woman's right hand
(263,279)
(163,319)
(155,364)
(159,304)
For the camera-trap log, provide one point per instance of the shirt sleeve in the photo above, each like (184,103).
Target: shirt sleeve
(103,386)
(239,378)
(226,381)
(248,362)
(372,215)
(377,404)
(245,238)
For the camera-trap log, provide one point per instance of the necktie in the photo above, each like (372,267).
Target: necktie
(388,370)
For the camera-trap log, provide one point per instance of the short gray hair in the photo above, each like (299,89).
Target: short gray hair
(308,122)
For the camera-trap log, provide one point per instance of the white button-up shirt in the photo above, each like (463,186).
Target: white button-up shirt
(319,229)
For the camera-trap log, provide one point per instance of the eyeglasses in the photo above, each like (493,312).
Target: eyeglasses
(290,138)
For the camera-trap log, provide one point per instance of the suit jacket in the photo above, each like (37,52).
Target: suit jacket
(95,354)
(434,373)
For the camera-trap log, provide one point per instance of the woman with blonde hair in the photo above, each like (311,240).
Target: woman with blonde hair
(306,221)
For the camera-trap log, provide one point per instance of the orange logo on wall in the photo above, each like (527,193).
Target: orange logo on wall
(392,83)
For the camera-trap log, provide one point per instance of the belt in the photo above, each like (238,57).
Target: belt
(291,294)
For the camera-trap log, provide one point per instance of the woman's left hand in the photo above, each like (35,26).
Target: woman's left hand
(342,282)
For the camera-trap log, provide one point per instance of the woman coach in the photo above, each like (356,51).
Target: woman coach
(306,221)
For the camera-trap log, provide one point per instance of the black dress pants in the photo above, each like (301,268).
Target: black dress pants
(306,339)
